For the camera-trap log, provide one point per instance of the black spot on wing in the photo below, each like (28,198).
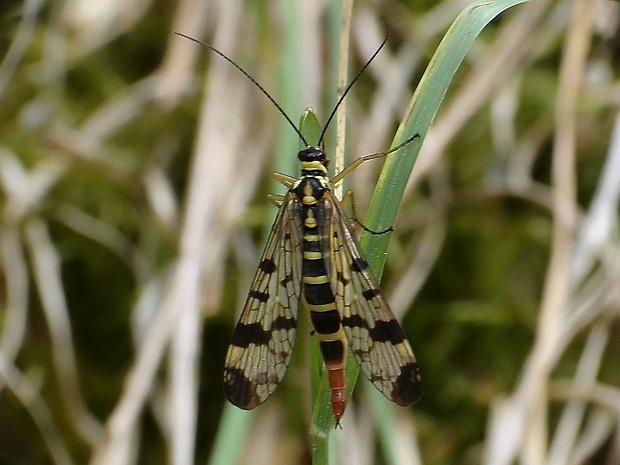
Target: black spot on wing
(383,331)
(369,294)
(287,279)
(407,388)
(267,265)
(283,322)
(359,264)
(246,334)
(239,390)
(258,295)
(341,278)
(353,321)
(387,331)
(254,333)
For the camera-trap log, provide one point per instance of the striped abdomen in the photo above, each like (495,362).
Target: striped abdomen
(319,296)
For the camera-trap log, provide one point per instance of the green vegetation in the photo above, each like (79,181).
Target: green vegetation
(134,169)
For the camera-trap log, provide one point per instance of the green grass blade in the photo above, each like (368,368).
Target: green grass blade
(397,169)
(234,427)
(422,110)
(322,421)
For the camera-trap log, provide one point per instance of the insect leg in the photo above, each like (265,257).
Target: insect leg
(285,179)
(356,163)
(347,200)
(276,199)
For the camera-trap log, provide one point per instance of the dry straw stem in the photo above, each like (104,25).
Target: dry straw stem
(178,318)
(557,290)
(343,81)
(46,263)
(572,299)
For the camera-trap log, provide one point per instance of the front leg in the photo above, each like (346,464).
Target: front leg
(285,179)
(276,199)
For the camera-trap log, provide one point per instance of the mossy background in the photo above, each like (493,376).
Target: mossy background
(134,169)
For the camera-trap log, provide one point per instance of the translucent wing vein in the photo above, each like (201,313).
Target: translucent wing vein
(262,342)
(375,337)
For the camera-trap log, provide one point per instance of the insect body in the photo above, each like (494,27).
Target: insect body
(312,254)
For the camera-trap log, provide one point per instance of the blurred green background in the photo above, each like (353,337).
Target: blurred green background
(134,170)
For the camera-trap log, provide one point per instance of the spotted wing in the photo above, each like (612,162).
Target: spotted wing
(375,337)
(262,342)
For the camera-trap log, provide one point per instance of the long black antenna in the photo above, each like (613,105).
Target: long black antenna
(271,99)
(346,91)
(254,81)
